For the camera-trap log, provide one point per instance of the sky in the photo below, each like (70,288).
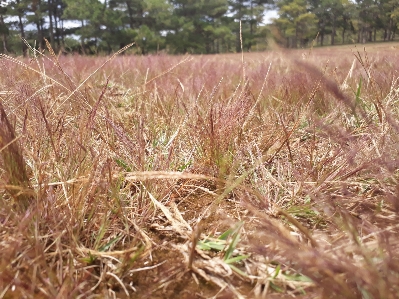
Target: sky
(269,15)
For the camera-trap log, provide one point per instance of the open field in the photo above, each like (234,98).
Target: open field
(272,175)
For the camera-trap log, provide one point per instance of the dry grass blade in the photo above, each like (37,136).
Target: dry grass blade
(174,217)
(24,65)
(57,63)
(13,162)
(186,59)
(91,75)
(145,176)
(299,226)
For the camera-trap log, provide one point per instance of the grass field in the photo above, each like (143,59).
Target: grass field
(267,175)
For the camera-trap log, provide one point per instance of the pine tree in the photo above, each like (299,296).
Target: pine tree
(89,13)
(295,22)
(19,8)
(4,30)
(196,25)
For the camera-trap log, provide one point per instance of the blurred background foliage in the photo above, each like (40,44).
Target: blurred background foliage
(192,26)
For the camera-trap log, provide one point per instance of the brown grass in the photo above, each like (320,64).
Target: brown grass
(175,177)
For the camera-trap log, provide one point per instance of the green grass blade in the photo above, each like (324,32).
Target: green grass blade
(236,259)
(107,246)
(235,239)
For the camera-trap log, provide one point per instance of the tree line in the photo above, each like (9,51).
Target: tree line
(193,26)
(336,21)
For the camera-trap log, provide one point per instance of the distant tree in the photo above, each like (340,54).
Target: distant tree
(334,10)
(155,21)
(112,31)
(250,13)
(4,31)
(347,17)
(89,13)
(332,15)
(194,25)
(316,6)
(140,21)
(368,12)
(133,11)
(296,22)
(158,14)
(37,15)
(19,8)
(55,13)
(389,16)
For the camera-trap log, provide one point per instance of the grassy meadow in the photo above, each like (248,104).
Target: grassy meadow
(263,175)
